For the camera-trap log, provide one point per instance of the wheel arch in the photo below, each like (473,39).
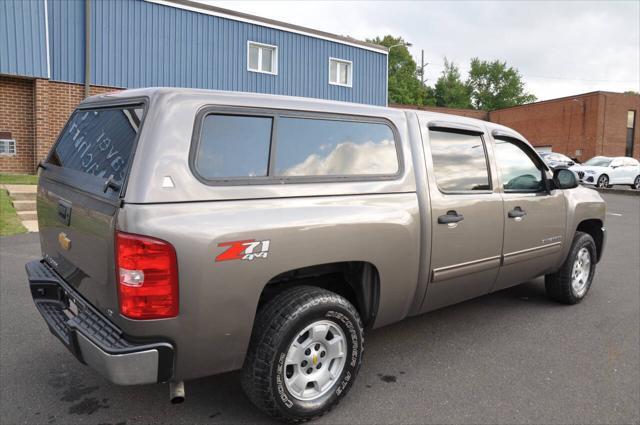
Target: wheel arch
(357,281)
(593,227)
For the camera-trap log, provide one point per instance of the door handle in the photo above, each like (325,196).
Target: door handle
(517,212)
(64,212)
(450,217)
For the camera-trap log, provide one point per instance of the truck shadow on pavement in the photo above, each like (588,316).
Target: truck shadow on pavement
(220,399)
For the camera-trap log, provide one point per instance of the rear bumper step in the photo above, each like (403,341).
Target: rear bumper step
(91,337)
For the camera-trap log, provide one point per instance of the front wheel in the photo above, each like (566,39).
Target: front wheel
(603,181)
(636,183)
(305,352)
(570,284)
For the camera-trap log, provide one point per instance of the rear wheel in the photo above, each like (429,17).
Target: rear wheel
(603,181)
(570,284)
(636,183)
(305,353)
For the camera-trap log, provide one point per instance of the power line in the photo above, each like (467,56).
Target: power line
(579,79)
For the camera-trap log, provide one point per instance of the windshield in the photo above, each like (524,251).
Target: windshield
(557,157)
(598,161)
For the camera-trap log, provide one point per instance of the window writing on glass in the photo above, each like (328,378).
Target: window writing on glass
(320,147)
(99,142)
(459,161)
(518,172)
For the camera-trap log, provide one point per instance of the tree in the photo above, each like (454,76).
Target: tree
(450,90)
(493,85)
(404,86)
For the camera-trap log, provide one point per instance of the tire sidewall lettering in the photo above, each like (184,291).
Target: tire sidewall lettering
(354,340)
(282,393)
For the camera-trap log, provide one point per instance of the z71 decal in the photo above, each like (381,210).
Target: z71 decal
(244,250)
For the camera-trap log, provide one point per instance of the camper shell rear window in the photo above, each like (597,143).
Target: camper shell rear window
(99,142)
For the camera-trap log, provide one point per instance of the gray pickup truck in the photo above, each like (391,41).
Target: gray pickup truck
(187,233)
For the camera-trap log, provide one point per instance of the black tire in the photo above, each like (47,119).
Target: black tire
(277,324)
(558,285)
(636,183)
(603,181)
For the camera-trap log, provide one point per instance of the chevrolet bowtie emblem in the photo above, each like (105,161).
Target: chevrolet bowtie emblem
(64,241)
(315,359)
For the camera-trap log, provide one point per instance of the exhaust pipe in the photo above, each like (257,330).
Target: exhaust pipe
(176,392)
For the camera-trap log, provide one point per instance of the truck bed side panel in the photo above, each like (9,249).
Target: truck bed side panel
(218,299)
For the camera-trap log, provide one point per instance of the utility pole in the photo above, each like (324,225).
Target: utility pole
(422,66)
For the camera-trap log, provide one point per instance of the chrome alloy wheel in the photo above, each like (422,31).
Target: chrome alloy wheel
(580,272)
(315,360)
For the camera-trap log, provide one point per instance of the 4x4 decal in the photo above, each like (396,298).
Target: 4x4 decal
(244,250)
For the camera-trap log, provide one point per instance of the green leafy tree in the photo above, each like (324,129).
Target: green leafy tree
(430,97)
(494,85)
(404,85)
(450,90)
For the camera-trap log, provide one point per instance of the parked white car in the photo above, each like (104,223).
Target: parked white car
(603,171)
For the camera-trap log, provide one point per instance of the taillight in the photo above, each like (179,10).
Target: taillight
(147,277)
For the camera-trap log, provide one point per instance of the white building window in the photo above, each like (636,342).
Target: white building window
(262,58)
(7,147)
(340,72)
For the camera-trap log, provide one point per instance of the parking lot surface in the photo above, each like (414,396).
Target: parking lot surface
(509,357)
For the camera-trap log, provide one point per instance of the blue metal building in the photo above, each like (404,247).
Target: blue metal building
(142,43)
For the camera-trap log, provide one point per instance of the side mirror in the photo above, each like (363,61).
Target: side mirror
(563,178)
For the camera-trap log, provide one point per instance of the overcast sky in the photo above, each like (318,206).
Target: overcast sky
(561,48)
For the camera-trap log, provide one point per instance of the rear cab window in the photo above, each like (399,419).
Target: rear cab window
(99,144)
(281,148)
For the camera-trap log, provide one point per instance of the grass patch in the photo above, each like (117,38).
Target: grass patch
(10,224)
(18,179)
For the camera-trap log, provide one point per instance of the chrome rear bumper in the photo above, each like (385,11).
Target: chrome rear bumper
(91,337)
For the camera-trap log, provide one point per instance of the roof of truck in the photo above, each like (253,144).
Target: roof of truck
(222,98)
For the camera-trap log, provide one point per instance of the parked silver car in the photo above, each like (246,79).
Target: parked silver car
(187,233)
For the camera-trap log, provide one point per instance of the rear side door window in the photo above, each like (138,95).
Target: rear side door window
(459,162)
(518,171)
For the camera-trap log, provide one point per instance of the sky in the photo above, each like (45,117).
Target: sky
(561,48)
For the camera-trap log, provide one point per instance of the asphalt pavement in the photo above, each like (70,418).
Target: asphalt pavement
(512,357)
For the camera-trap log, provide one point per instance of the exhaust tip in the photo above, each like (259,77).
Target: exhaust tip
(177,400)
(176,392)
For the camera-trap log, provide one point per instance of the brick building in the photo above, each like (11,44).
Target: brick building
(32,114)
(581,126)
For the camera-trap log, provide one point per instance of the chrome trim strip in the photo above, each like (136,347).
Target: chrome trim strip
(529,253)
(461,269)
